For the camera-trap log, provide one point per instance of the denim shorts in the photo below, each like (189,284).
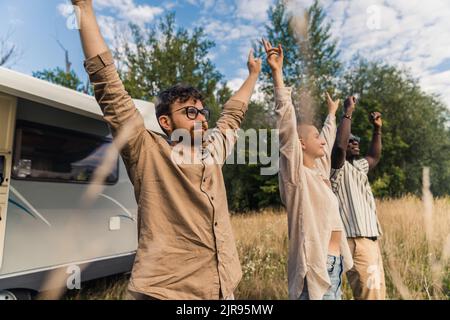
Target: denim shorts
(335,269)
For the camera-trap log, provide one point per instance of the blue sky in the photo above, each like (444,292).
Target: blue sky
(408,33)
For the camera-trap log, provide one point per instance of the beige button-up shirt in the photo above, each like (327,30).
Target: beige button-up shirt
(312,207)
(186,248)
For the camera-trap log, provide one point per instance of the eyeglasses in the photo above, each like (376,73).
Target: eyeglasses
(192,112)
(354,139)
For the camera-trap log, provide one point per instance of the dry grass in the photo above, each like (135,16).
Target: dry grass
(262,245)
(415,267)
(409,257)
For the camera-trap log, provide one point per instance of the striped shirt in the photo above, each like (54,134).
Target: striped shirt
(356,201)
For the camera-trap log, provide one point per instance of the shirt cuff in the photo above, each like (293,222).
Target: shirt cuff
(98,62)
(237,104)
(283,94)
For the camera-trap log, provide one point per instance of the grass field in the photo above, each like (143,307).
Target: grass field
(415,247)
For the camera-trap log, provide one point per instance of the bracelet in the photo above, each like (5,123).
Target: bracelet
(347,116)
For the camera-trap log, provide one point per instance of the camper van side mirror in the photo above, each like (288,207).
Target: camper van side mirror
(2,169)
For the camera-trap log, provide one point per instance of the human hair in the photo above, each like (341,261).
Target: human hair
(179,92)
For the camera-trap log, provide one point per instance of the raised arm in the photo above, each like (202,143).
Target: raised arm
(246,90)
(329,127)
(232,115)
(117,106)
(343,134)
(235,108)
(374,154)
(328,132)
(91,38)
(290,150)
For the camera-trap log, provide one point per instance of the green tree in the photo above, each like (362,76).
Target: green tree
(311,63)
(311,66)
(164,55)
(63,78)
(247,188)
(416,124)
(415,128)
(223,94)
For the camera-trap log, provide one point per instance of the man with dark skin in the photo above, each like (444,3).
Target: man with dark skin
(357,204)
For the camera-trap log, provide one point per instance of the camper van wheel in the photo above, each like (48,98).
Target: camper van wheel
(15,294)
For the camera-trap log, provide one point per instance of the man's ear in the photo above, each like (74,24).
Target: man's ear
(166,123)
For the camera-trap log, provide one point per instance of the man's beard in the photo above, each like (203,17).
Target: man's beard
(198,132)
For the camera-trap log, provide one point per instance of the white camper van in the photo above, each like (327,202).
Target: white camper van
(51,141)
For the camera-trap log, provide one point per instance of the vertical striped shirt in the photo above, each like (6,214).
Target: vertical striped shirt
(356,201)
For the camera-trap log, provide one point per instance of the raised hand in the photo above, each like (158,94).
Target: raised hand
(375,119)
(274,55)
(81,2)
(254,68)
(349,105)
(332,105)
(254,65)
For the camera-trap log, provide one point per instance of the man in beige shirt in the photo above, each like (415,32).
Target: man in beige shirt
(186,248)
(318,250)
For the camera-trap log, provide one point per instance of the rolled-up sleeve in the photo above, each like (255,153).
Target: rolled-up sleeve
(116,104)
(223,137)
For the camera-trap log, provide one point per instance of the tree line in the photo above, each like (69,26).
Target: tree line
(416,131)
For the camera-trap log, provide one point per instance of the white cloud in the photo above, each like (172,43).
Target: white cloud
(407,33)
(220,7)
(438,83)
(242,73)
(65,9)
(193,2)
(211,56)
(109,26)
(234,25)
(169,5)
(235,83)
(113,17)
(254,10)
(129,11)
(125,10)
(227,31)
(232,20)
(223,48)
(258,94)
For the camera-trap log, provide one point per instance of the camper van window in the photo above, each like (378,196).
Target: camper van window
(45,153)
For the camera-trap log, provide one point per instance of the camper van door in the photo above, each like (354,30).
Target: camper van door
(7,125)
